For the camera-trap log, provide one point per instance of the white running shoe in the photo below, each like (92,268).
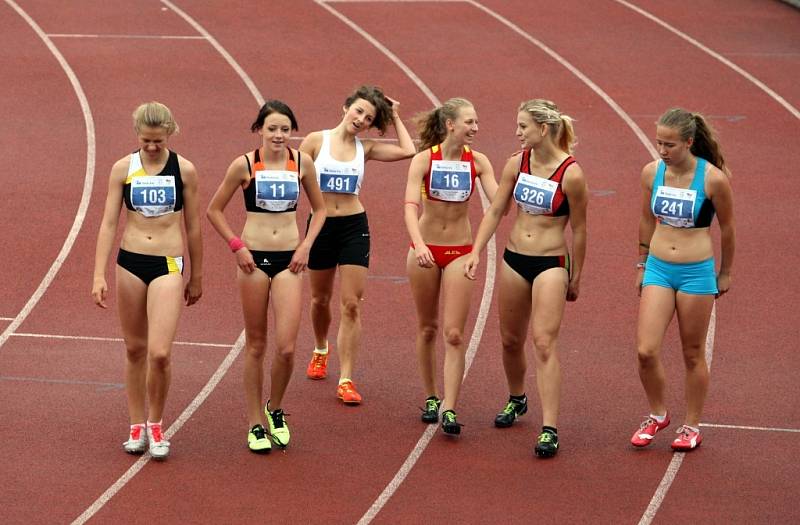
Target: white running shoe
(159,447)
(137,440)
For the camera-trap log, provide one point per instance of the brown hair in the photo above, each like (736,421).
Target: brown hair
(383,106)
(432,125)
(694,126)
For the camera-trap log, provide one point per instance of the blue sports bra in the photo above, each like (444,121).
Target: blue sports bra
(679,207)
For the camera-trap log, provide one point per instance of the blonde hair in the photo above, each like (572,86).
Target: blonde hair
(432,125)
(154,115)
(694,126)
(560,125)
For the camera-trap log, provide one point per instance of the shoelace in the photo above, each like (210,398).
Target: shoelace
(647,422)
(546,437)
(259,432)
(431,405)
(449,418)
(510,408)
(319,360)
(347,387)
(684,431)
(278,418)
(155,430)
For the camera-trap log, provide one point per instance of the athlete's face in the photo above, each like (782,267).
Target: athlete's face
(359,116)
(276,131)
(465,126)
(152,141)
(670,146)
(529,132)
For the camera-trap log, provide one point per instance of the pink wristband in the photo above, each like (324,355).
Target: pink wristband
(235,244)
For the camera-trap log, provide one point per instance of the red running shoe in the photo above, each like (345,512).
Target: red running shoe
(347,393)
(647,431)
(687,439)
(318,367)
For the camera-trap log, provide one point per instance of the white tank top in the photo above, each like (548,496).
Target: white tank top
(335,176)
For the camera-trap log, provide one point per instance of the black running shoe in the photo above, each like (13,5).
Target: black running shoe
(449,423)
(430,414)
(510,413)
(546,445)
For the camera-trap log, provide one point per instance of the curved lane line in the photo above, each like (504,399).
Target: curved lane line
(488,290)
(237,346)
(763,87)
(88,179)
(677,457)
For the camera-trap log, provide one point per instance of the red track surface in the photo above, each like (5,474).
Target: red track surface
(63,409)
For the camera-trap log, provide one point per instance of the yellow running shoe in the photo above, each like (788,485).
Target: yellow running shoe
(257,440)
(278,429)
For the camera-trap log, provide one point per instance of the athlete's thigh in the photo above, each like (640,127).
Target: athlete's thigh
(514,299)
(352,281)
(286,295)
(694,314)
(456,294)
(322,282)
(164,304)
(548,296)
(132,306)
(424,283)
(254,291)
(656,308)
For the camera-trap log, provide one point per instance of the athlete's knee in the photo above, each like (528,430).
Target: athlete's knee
(647,355)
(256,346)
(512,343)
(454,337)
(285,352)
(159,357)
(351,308)
(428,332)
(693,357)
(545,344)
(136,351)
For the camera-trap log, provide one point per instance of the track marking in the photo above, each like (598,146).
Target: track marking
(88,179)
(6,318)
(742,427)
(221,50)
(488,290)
(145,37)
(171,431)
(110,339)
(763,87)
(237,347)
(108,386)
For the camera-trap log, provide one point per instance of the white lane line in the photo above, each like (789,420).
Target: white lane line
(486,299)
(171,431)
(221,50)
(677,457)
(88,179)
(6,318)
(744,427)
(137,37)
(763,87)
(110,339)
(237,347)
(107,386)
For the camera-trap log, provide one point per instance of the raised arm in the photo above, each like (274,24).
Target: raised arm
(388,152)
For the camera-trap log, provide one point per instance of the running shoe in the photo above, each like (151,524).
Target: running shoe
(278,429)
(137,440)
(430,414)
(687,439)
(449,423)
(510,413)
(257,440)
(347,393)
(318,367)
(546,444)
(159,447)
(648,430)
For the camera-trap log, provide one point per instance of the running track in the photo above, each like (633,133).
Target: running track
(72,73)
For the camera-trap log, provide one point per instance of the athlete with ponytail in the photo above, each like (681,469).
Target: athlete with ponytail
(538,275)
(441,180)
(682,191)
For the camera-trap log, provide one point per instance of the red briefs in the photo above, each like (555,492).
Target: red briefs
(444,255)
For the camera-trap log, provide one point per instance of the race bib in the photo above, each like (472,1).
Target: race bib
(450,180)
(334,179)
(675,206)
(535,194)
(276,190)
(153,195)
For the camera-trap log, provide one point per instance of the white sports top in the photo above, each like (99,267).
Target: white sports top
(335,176)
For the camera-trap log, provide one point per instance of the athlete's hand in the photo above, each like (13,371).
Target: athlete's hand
(100,291)
(192,291)
(573,290)
(424,256)
(639,279)
(395,106)
(244,259)
(471,265)
(723,283)
(299,261)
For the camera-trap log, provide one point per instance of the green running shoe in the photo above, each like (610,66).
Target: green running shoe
(546,445)
(276,420)
(430,414)
(257,440)
(510,413)
(449,423)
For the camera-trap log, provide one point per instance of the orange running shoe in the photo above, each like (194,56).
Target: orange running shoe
(347,393)
(318,367)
